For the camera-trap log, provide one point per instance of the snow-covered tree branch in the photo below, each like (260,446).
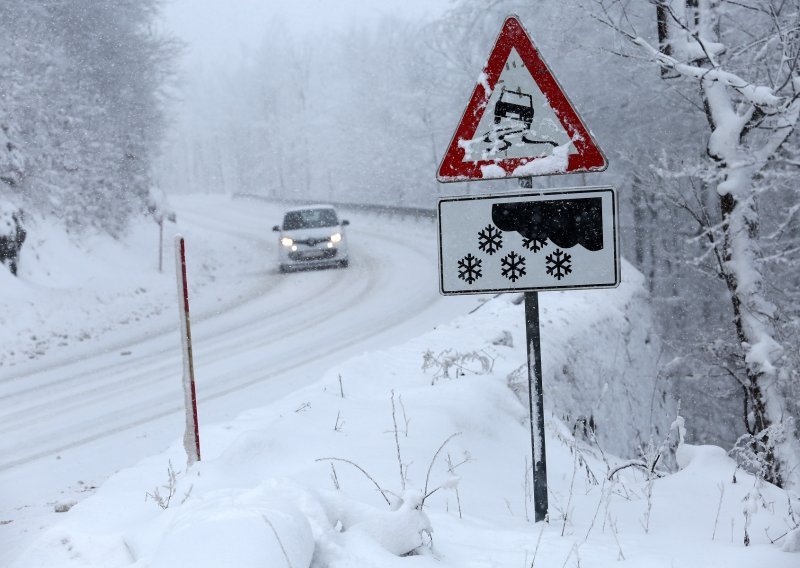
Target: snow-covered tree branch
(81,86)
(748,82)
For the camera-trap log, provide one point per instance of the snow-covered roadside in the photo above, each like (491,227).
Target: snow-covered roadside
(97,292)
(76,414)
(298,479)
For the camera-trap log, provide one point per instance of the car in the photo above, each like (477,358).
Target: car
(514,105)
(312,236)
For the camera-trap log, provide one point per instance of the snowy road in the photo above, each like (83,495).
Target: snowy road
(66,425)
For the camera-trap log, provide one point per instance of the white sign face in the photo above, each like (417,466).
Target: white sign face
(522,124)
(553,240)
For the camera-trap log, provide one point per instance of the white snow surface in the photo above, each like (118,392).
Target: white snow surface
(292,481)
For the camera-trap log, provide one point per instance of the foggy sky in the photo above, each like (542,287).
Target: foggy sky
(216,30)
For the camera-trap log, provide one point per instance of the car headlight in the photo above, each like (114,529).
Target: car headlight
(286,241)
(336,237)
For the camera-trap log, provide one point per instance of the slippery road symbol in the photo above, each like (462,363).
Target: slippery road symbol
(513,117)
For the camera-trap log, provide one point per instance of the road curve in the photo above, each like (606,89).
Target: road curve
(293,320)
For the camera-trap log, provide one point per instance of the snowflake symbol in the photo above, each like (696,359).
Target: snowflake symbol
(469,268)
(559,264)
(490,239)
(534,245)
(513,266)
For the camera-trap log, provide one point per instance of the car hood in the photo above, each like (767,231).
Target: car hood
(318,233)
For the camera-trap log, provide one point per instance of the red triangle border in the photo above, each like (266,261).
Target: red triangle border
(589,157)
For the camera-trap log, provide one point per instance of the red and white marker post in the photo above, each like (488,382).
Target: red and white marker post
(191,436)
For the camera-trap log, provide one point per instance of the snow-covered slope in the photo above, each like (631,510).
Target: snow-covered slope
(91,381)
(335,474)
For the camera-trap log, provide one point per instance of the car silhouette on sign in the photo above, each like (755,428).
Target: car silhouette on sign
(515,105)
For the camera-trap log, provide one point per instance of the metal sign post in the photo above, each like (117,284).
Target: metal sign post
(536,405)
(519,123)
(535,396)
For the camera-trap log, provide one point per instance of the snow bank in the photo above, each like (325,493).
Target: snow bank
(64,282)
(233,527)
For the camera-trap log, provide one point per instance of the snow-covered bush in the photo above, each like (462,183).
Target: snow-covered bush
(80,107)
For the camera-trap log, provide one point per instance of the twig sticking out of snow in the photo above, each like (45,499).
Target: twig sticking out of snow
(597,510)
(539,539)
(749,509)
(406,419)
(451,468)
(571,550)
(430,467)
(278,538)
(636,463)
(567,511)
(397,445)
(381,490)
(172,481)
(721,488)
(613,524)
(335,478)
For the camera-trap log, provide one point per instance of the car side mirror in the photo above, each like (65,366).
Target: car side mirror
(276,228)
(345,222)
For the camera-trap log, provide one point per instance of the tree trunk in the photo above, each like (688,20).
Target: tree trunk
(756,417)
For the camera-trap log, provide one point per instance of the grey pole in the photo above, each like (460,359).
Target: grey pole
(536,405)
(535,396)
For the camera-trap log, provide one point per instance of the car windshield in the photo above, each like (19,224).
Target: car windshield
(309,219)
(516,97)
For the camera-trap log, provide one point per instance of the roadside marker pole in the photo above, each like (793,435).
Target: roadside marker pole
(191,435)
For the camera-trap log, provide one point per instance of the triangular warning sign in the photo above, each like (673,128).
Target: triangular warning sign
(519,122)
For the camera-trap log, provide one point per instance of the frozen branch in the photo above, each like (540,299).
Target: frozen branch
(362,470)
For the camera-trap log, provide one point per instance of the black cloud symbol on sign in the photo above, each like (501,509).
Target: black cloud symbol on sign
(564,222)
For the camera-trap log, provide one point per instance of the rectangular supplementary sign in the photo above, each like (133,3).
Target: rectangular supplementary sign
(532,241)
